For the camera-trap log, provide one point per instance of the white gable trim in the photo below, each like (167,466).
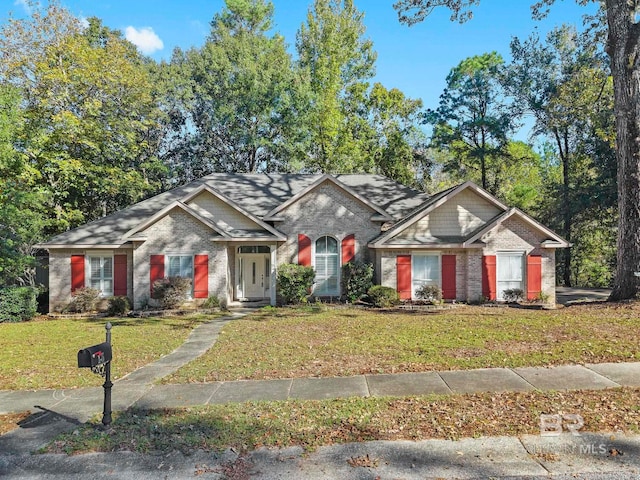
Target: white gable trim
(235,206)
(423,212)
(272,215)
(165,211)
(554,240)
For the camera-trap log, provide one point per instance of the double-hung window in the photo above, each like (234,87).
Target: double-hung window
(510,272)
(425,270)
(101,274)
(181,266)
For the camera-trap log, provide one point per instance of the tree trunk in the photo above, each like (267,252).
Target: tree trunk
(624,49)
(568,211)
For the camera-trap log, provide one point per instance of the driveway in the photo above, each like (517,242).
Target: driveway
(568,295)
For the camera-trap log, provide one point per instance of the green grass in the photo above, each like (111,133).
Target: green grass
(43,353)
(315,341)
(250,425)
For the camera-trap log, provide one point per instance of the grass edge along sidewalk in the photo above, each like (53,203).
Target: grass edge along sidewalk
(312,423)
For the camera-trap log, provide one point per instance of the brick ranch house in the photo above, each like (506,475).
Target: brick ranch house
(229,233)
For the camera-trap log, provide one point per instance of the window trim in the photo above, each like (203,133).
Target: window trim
(89,276)
(167,266)
(523,260)
(438,283)
(339,264)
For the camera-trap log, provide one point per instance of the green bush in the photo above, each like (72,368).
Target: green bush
(171,291)
(84,300)
(118,306)
(18,304)
(357,279)
(513,295)
(211,302)
(429,293)
(383,297)
(294,282)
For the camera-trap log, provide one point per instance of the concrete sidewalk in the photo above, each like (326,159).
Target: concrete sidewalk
(82,404)
(56,411)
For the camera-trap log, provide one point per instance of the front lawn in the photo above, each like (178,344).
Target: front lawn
(250,425)
(320,341)
(42,353)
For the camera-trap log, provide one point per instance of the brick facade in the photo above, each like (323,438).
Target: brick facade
(513,235)
(179,234)
(324,210)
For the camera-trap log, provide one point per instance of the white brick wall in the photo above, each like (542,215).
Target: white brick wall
(60,273)
(326,210)
(179,233)
(515,234)
(511,235)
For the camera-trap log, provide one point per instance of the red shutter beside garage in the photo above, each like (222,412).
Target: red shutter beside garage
(534,276)
(304,250)
(449,277)
(120,275)
(403,265)
(200,276)
(348,248)
(156,270)
(489,277)
(77,272)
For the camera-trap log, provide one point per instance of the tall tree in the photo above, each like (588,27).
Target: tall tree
(398,145)
(91,119)
(475,120)
(21,200)
(339,61)
(239,106)
(565,85)
(623,48)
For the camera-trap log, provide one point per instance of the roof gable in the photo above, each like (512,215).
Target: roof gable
(445,219)
(553,240)
(212,204)
(381,214)
(166,211)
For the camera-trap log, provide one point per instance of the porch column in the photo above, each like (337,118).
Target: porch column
(272,284)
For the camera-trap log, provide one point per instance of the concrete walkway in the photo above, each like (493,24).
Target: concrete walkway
(56,411)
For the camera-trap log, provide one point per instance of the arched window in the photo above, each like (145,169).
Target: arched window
(327,267)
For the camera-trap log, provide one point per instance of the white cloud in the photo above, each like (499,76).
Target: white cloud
(144,38)
(24,4)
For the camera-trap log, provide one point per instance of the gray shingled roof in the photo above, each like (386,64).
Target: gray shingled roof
(256,193)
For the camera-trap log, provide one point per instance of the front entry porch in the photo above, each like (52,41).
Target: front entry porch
(255,274)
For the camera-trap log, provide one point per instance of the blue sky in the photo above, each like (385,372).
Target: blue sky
(414,59)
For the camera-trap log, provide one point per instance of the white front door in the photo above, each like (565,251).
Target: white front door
(254,276)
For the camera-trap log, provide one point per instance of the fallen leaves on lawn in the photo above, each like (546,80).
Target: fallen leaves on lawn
(10,421)
(363,461)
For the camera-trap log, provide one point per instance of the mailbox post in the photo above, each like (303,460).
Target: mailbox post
(98,358)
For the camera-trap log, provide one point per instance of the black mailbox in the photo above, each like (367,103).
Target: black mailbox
(94,356)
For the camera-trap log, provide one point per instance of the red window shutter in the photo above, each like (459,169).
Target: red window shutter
(156,269)
(200,276)
(489,277)
(534,276)
(403,264)
(120,275)
(304,250)
(77,272)
(449,277)
(348,248)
